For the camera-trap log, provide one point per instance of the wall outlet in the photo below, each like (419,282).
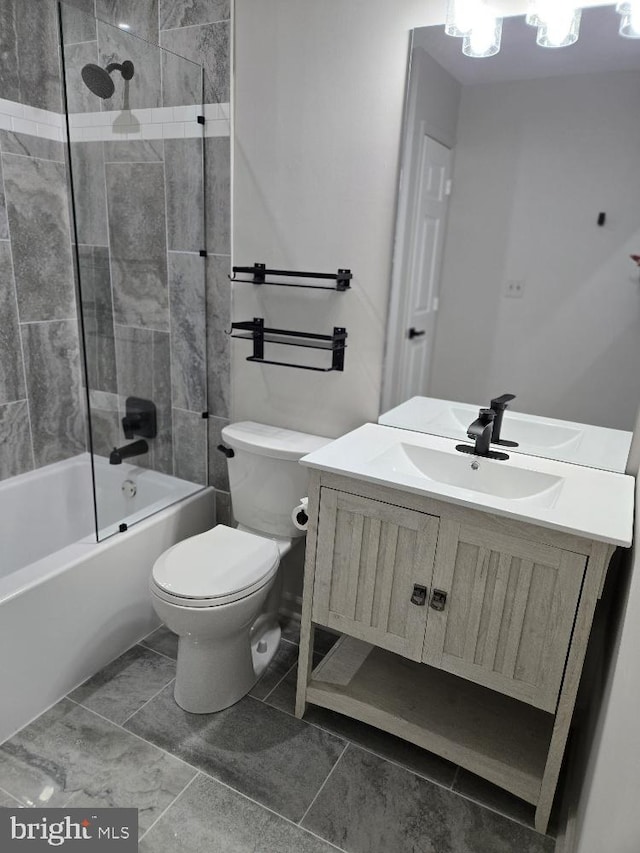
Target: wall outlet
(514,288)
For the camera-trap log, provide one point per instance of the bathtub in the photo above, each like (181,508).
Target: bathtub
(70,604)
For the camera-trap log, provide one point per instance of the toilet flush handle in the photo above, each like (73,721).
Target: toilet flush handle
(228,451)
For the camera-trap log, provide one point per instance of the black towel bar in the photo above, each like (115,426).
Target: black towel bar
(259,334)
(259,272)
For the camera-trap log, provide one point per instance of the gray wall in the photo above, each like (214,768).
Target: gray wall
(146,290)
(147,294)
(535,162)
(41,412)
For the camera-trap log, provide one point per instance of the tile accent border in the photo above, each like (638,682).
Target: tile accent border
(32,121)
(117,125)
(154,123)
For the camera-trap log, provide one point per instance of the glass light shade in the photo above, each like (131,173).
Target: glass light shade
(460,16)
(533,15)
(540,12)
(630,26)
(630,21)
(484,38)
(561,28)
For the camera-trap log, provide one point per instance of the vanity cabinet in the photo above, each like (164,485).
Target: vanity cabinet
(370,558)
(508,616)
(463,632)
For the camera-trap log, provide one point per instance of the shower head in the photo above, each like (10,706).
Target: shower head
(98,80)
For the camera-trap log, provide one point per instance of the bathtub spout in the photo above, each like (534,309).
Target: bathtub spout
(136,448)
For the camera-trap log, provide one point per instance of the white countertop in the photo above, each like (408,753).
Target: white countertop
(566,441)
(585,501)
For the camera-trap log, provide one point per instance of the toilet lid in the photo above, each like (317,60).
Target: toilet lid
(219,563)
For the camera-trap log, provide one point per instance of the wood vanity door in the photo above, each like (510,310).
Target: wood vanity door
(369,557)
(509,612)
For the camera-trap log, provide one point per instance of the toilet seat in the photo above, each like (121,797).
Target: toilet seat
(217,567)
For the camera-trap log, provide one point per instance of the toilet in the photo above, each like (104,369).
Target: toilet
(218,590)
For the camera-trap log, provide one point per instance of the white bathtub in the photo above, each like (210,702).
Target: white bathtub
(69,605)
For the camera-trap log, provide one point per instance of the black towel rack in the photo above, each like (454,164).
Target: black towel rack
(260,334)
(259,273)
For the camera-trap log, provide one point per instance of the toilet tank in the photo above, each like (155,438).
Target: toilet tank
(265,477)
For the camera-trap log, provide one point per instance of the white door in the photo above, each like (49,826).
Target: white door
(424,247)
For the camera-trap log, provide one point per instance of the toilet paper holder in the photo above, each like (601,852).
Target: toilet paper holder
(300,514)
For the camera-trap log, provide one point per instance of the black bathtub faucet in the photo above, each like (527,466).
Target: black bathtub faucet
(136,448)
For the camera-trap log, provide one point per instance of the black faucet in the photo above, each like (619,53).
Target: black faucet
(498,405)
(136,448)
(481,430)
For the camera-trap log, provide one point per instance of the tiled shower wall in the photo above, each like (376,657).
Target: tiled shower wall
(41,412)
(145,286)
(140,224)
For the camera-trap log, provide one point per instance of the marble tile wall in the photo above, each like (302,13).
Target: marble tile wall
(155,312)
(30,56)
(151,302)
(41,409)
(42,413)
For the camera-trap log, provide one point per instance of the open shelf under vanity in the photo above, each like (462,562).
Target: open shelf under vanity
(483,731)
(461,631)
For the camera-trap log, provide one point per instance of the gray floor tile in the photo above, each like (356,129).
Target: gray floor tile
(290,629)
(7,802)
(210,817)
(124,685)
(323,641)
(388,746)
(162,640)
(371,806)
(483,792)
(271,757)
(283,660)
(71,756)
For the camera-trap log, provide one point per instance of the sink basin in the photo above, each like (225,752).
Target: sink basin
(529,432)
(469,473)
(566,441)
(583,501)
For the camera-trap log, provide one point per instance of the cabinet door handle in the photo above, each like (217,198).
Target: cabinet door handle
(419,595)
(438,599)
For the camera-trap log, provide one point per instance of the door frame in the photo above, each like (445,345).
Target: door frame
(396,326)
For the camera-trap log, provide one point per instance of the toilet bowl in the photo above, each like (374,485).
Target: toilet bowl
(210,590)
(218,591)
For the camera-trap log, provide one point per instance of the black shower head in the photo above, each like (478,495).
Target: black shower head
(99,81)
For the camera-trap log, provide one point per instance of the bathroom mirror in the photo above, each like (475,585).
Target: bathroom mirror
(518,211)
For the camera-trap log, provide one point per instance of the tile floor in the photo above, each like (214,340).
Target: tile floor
(253,778)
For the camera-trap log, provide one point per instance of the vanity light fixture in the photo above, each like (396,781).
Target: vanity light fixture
(460,16)
(561,28)
(484,37)
(557,22)
(477,24)
(630,18)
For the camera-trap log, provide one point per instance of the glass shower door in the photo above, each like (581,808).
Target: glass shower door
(136,152)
